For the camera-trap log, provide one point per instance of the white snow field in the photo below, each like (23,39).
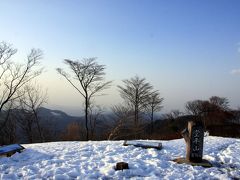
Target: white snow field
(96,160)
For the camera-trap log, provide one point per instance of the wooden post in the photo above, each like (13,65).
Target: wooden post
(193,136)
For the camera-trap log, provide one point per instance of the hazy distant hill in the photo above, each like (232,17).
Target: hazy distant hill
(58,118)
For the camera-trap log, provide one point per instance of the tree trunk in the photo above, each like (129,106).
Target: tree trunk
(8,114)
(136,120)
(30,137)
(86,117)
(38,126)
(152,121)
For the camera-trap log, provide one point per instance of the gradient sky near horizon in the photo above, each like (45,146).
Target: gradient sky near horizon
(187,49)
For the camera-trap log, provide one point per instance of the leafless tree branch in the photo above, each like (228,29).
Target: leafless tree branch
(88,79)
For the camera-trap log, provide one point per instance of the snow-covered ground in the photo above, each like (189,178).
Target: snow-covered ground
(96,160)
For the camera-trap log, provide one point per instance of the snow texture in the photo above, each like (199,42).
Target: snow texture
(55,114)
(96,160)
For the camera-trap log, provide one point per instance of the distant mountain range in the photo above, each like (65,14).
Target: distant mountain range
(58,118)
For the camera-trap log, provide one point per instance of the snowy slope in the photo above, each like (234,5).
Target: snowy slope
(96,160)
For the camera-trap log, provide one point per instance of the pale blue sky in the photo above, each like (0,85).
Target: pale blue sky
(186,49)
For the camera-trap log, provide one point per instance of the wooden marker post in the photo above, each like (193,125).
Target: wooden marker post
(193,136)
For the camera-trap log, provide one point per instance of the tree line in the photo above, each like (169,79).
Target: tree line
(21,98)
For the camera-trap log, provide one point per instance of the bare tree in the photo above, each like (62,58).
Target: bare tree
(6,52)
(13,76)
(32,99)
(7,134)
(88,79)
(173,114)
(25,121)
(194,107)
(121,122)
(220,102)
(136,92)
(214,110)
(200,109)
(215,103)
(95,114)
(154,104)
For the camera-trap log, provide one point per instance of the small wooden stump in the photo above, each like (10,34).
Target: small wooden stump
(121,166)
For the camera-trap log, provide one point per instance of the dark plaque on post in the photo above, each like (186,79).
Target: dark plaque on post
(193,136)
(194,141)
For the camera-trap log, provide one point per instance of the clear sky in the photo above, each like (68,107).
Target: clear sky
(187,49)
